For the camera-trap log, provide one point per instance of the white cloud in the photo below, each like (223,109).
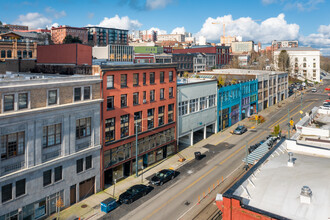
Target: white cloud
(120,22)
(159,31)
(179,30)
(267,2)
(300,5)
(156,4)
(34,20)
(268,30)
(319,40)
(56,14)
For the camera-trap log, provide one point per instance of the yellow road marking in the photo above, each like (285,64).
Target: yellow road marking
(294,114)
(168,201)
(222,162)
(199,179)
(283,117)
(223,139)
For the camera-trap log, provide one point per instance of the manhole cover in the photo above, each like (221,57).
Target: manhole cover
(187,203)
(83,206)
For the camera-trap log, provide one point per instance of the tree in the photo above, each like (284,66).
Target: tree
(283,61)
(277,130)
(70,40)
(234,81)
(221,81)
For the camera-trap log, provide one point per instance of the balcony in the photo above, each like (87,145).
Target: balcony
(12,165)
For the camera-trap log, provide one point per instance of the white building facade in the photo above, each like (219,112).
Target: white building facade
(50,143)
(304,62)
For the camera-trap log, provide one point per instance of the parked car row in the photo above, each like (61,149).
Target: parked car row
(270,144)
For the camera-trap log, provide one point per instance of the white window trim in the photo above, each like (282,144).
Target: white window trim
(15,101)
(82,93)
(58,96)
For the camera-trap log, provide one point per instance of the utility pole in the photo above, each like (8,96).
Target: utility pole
(136,149)
(221,111)
(289,123)
(301,98)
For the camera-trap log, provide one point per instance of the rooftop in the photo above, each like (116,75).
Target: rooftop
(297,49)
(241,71)
(135,66)
(184,81)
(277,187)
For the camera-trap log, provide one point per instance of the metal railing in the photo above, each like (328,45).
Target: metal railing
(12,167)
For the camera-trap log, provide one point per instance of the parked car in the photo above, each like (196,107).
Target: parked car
(134,193)
(162,177)
(314,90)
(240,130)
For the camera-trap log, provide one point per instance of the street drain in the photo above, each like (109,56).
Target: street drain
(83,206)
(187,203)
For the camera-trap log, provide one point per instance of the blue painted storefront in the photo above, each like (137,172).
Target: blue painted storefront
(237,102)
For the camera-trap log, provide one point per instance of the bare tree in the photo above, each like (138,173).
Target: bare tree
(283,62)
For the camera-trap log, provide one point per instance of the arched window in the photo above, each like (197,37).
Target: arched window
(24,54)
(8,53)
(19,53)
(3,54)
(30,53)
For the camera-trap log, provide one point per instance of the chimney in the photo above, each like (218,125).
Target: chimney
(306,195)
(290,161)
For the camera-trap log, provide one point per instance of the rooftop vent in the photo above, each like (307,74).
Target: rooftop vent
(306,195)
(290,161)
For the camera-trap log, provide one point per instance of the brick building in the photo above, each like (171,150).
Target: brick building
(222,55)
(142,96)
(75,54)
(13,49)
(59,33)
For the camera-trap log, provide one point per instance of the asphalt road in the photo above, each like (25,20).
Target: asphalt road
(177,197)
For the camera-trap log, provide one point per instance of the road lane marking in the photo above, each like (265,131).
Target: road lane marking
(271,126)
(182,191)
(199,179)
(222,162)
(223,140)
(295,113)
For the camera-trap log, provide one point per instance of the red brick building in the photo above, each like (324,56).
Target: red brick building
(142,95)
(222,53)
(59,33)
(75,54)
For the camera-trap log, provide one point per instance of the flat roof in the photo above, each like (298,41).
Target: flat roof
(277,187)
(188,81)
(241,71)
(297,49)
(137,66)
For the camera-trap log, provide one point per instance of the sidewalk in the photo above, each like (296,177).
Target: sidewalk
(90,208)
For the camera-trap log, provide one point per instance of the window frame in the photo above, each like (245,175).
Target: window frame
(170,76)
(112,77)
(135,79)
(152,78)
(121,101)
(136,97)
(152,95)
(23,192)
(144,78)
(80,128)
(8,198)
(113,102)
(44,178)
(170,92)
(56,170)
(88,162)
(57,97)
(55,135)
(12,104)
(123,81)
(162,94)
(5,143)
(161,77)
(111,129)
(78,165)
(124,126)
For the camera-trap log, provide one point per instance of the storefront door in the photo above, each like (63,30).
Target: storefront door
(86,188)
(73,194)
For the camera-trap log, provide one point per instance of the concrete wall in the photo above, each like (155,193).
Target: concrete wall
(101,52)
(197,120)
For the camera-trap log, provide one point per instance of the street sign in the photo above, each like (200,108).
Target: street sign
(291,122)
(256,117)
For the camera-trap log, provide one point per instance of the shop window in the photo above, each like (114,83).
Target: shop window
(83,128)
(58,173)
(80,165)
(6,193)
(124,126)
(47,177)
(109,130)
(20,187)
(12,145)
(51,135)
(88,162)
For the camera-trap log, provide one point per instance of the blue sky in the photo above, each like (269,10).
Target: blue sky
(258,20)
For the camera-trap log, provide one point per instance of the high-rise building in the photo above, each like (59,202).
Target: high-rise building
(101,36)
